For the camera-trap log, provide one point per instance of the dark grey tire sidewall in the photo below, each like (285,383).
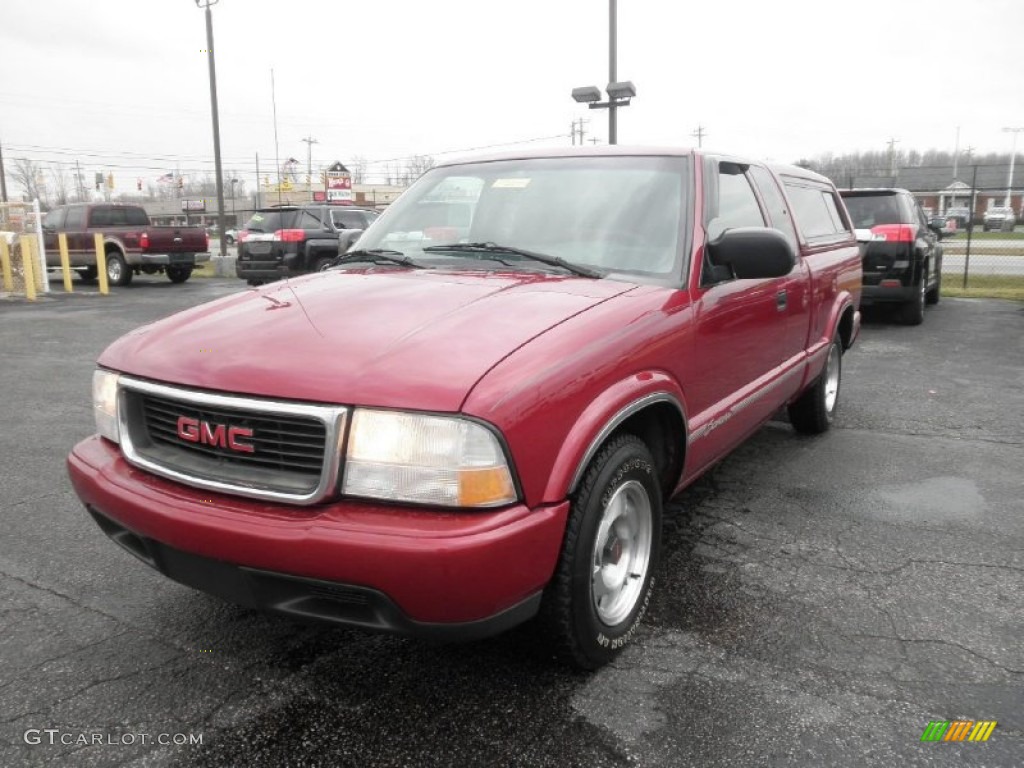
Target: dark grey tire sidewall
(597,639)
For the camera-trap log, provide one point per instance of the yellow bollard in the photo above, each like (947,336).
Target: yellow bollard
(101,263)
(5,264)
(65,261)
(28,267)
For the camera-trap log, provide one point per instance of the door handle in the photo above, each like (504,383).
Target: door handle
(780,300)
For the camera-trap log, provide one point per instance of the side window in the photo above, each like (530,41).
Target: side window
(309,220)
(54,220)
(75,221)
(737,204)
(816,211)
(775,203)
(100,217)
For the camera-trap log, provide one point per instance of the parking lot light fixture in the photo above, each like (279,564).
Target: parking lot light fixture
(216,121)
(619,91)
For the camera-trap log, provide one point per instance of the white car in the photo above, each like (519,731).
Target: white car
(999,218)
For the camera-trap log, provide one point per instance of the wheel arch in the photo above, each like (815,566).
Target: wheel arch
(656,416)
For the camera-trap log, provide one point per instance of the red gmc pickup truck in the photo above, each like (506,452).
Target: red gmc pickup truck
(130,243)
(474,420)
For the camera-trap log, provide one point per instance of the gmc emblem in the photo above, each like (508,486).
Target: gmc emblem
(217,435)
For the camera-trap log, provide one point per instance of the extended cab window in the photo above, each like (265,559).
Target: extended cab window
(816,210)
(778,210)
(348,220)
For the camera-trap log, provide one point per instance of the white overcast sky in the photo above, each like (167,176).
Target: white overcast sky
(122,84)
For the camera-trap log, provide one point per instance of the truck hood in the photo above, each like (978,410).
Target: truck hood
(378,337)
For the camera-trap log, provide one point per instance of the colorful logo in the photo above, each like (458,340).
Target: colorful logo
(958,730)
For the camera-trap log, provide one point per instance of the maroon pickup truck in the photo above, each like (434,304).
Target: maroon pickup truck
(461,427)
(131,244)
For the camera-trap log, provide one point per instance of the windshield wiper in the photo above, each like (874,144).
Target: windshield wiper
(494,248)
(376,256)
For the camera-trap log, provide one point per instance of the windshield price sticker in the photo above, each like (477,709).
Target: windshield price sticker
(510,183)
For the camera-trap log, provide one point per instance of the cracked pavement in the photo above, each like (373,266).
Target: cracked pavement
(819,600)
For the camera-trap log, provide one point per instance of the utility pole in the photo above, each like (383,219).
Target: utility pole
(258,182)
(277,152)
(1013,156)
(892,156)
(3,177)
(221,221)
(310,141)
(79,183)
(613,31)
(699,135)
(956,152)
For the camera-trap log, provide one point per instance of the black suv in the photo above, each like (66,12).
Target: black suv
(294,239)
(903,256)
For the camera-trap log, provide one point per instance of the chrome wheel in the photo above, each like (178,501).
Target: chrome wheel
(114,270)
(622,553)
(832,378)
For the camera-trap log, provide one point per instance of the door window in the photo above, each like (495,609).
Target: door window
(54,220)
(75,219)
(737,204)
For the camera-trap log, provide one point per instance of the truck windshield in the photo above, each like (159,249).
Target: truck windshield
(623,215)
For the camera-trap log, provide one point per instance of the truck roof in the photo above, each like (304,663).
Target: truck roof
(620,150)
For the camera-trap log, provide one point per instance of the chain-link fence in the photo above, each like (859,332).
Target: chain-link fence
(22,250)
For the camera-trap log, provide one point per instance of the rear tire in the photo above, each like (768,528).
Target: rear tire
(812,413)
(602,584)
(932,296)
(177,273)
(118,271)
(913,310)
(322,263)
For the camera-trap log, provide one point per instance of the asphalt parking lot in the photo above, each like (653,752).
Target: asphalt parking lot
(819,602)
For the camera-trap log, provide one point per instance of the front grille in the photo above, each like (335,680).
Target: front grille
(280,443)
(252,447)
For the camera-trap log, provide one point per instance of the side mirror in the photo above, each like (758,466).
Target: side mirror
(753,253)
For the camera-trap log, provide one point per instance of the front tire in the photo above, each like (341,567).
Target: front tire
(602,584)
(812,413)
(932,296)
(88,274)
(118,271)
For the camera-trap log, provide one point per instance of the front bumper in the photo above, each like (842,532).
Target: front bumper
(413,571)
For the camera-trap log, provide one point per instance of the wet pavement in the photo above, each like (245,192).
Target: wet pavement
(819,600)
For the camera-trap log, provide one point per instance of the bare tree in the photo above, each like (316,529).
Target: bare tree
(415,167)
(60,183)
(29,175)
(357,168)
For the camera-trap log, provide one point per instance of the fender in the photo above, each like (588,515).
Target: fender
(600,418)
(817,350)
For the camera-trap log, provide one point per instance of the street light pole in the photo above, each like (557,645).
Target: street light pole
(1013,157)
(216,123)
(613,127)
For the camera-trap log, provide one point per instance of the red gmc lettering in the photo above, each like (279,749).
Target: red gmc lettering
(215,434)
(188,429)
(234,433)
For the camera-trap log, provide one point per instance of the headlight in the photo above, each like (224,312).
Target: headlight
(104,404)
(423,459)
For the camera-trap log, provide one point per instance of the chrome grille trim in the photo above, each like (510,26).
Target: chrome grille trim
(334,419)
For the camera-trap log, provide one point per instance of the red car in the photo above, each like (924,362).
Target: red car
(477,416)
